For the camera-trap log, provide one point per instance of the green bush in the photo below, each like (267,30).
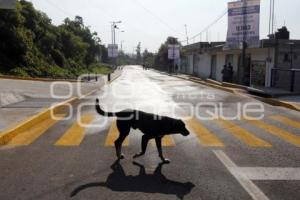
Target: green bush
(100,69)
(58,57)
(30,45)
(19,72)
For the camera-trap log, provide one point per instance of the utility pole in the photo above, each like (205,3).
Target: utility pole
(273,40)
(273,15)
(122,45)
(186,33)
(244,43)
(270,17)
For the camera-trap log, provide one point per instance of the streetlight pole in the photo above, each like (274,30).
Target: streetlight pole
(114,27)
(113,32)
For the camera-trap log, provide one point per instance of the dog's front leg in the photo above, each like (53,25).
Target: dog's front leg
(118,145)
(159,149)
(145,140)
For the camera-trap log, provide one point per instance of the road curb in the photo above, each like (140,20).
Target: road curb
(275,102)
(270,101)
(210,85)
(115,78)
(7,135)
(36,79)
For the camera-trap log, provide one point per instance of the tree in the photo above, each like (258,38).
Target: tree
(148,58)
(78,28)
(138,54)
(31,45)
(161,59)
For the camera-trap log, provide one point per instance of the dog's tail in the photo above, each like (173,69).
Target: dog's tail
(102,112)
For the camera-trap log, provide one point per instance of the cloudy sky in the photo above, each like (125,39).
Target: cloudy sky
(152,21)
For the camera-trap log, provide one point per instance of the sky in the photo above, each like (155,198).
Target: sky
(152,21)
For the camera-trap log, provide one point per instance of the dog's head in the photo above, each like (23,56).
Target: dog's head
(180,128)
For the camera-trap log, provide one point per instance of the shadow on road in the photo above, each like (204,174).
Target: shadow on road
(146,183)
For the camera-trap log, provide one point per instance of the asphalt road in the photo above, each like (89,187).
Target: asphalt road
(223,158)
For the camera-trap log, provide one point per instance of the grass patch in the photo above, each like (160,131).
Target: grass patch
(56,72)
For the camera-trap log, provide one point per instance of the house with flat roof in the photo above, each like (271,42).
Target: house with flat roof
(274,63)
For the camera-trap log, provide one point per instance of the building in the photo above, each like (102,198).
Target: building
(275,63)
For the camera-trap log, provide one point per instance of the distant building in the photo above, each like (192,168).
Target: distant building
(275,63)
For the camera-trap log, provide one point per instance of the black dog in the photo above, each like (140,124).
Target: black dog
(152,126)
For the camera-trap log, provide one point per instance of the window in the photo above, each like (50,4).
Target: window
(286,57)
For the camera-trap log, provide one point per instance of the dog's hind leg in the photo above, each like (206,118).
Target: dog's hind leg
(159,149)
(124,132)
(145,140)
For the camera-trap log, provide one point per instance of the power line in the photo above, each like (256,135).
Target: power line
(126,23)
(157,17)
(59,8)
(210,25)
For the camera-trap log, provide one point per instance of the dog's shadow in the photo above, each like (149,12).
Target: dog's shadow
(146,183)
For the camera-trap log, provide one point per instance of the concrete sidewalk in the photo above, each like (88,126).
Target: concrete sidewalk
(271,95)
(22,99)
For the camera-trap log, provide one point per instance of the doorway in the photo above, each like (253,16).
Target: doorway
(195,64)
(213,72)
(258,73)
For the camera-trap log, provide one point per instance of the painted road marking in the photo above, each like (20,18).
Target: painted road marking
(167,141)
(286,121)
(206,138)
(289,137)
(245,182)
(75,134)
(270,173)
(243,135)
(113,134)
(29,136)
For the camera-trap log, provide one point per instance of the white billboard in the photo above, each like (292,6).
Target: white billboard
(243,23)
(112,50)
(7,4)
(173,52)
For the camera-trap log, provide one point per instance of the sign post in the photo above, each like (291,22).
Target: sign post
(112,50)
(243,23)
(243,30)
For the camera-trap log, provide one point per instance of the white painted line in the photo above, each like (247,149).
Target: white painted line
(245,182)
(269,173)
